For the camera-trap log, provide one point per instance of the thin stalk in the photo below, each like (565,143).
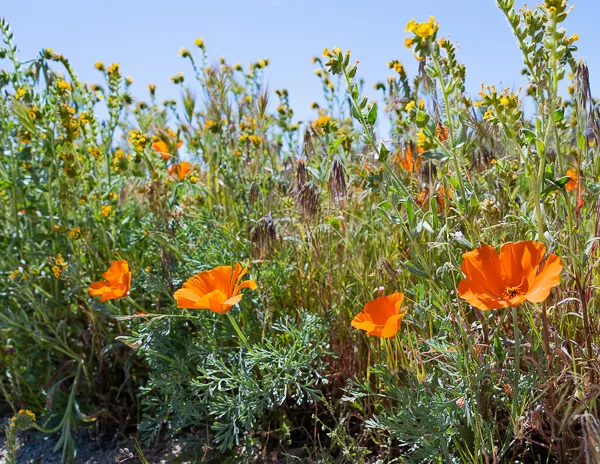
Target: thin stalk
(515,403)
(236,327)
(450,130)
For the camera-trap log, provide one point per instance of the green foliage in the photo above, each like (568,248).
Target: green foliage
(327,217)
(230,390)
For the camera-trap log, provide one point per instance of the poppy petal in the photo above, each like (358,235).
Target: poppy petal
(392,326)
(98,288)
(520,261)
(233,300)
(483,266)
(547,279)
(186,298)
(476,295)
(251,284)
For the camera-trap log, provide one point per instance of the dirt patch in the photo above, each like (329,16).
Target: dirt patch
(38,448)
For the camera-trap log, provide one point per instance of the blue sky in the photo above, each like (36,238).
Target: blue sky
(144,36)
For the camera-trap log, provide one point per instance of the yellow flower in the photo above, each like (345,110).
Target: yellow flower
(27,412)
(504,101)
(14,274)
(99,65)
(409,106)
(20,92)
(326,52)
(184,52)
(113,68)
(199,42)
(423,30)
(106,210)
(421,139)
(75,233)
(408,43)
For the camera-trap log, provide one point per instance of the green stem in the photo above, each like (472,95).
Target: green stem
(236,327)
(449,123)
(515,393)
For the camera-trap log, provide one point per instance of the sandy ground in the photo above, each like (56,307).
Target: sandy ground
(37,448)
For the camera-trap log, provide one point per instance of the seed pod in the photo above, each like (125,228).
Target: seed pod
(308,149)
(582,83)
(253,194)
(309,199)
(263,234)
(301,176)
(387,267)
(337,180)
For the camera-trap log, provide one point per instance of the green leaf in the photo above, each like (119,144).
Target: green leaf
(559,114)
(355,113)
(529,135)
(499,349)
(337,142)
(372,116)
(383,152)
(421,118)
(414,269)
(435,154)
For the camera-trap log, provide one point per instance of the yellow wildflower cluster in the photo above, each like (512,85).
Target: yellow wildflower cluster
(138,139)
(75,233)
(120,160)
(13,275)
(27,412)
(422,140)
(396,66)
(106,211)
(324,123)
(177,79)
(424,35)
(63,86)
(94,152)
(423,30)
(505,104)
(113,68)
(410,105)
(20,93)
(58,265)
(260,64)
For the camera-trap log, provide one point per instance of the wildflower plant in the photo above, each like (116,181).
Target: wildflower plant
(375,323)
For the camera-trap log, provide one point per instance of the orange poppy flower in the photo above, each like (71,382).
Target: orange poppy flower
(162,149)
(381,317)
(498,281)
(180,170)
(117,282)
(574,182)
(444,196)
(217,289)
(409,162)
(442,132)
